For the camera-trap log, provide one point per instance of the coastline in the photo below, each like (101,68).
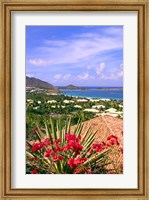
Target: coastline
(102,99)
(94,94)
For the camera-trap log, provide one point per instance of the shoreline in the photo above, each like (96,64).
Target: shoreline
(100,98)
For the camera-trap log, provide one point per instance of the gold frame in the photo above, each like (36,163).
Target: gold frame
(6,7)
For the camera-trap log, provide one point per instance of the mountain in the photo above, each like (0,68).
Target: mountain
(34,82)
(69,87)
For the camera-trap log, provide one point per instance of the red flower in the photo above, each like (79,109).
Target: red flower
(49,152)
(121,150)
(46,141)
(32,130)
(74,146)
(112,140)
(57,141)
(65,148)
(88,171)
(112,137)
(57,158)
(78,171)
(79,161)
(98,147)
(73,163)
(69,136)
(32,159)
(35,171)
(58,148)
(38,146)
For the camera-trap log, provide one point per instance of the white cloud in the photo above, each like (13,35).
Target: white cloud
(60,77)
(84,76)
(100,68)
(66,77)
(116,74)
(80,48)
(39,62)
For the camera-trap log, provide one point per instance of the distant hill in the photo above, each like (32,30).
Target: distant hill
(69,87)
(34,82)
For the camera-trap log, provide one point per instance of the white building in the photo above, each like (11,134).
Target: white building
(77,106)
(98,106)
(91,110)
(105,99)
(94,100)
(111,110)
(51,101)
(82,100)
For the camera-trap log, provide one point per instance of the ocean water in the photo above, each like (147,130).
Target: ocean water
(113,93)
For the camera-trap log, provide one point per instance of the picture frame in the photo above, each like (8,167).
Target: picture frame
(7,7)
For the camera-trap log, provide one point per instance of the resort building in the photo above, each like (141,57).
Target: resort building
(82,100)
(94,100)
(68,101)
(51,101)
(30,101)
(98,106)
(113,112)
(91,110)
(77,106)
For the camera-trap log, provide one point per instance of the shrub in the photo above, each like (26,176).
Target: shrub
(56,150)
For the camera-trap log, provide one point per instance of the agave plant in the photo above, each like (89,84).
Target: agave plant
(57,150)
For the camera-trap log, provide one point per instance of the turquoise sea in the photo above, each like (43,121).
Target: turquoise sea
(93,92)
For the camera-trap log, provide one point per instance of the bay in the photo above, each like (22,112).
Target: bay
(91,92)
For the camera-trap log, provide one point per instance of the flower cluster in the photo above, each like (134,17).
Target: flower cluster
(73,143)
(112,140)
(73,163)
(99,147)
(40,145)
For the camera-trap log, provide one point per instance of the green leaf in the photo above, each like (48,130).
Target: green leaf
(53,128)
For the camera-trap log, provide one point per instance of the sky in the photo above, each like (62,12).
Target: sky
(78,55)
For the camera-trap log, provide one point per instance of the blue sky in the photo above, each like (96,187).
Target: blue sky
(78,55)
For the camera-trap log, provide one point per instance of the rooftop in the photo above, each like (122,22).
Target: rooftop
(106,125)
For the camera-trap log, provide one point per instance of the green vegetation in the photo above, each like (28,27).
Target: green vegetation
(40,107)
